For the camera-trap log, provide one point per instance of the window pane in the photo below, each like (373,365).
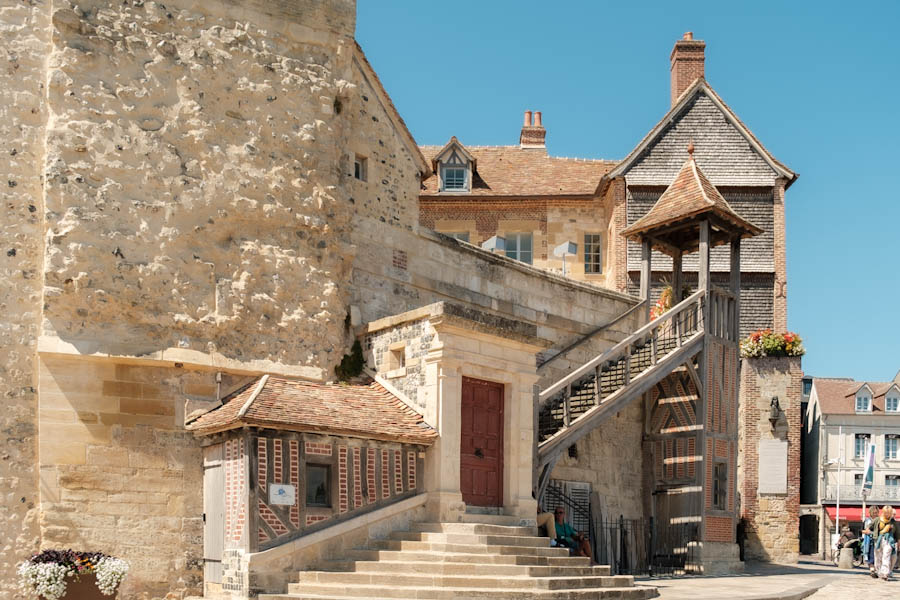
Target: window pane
(593,262)
(317,492)
(518,246)
(454,178)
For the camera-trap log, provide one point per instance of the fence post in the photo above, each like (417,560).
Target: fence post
(622,557)
(651,547)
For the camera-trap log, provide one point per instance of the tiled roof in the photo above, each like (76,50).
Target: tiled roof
(367,411)
(690,195)
(838,396)
(512,171)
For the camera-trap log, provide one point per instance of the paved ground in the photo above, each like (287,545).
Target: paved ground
(811,580)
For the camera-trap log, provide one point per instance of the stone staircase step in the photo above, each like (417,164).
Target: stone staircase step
(491,519)
(466,593)
(310,580)
(460,568)
(488,559)
(467,548)
(474,529)
(466,538)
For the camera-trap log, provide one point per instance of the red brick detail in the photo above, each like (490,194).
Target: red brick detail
(721,449)
(779,314)
(398,473)
(692,452)
(272,519)
(310,519)
(235,486)
(370,474)
(670,467)
(357,479)
(732,475)
(262,459)
(262,535)
(707,488)
(679,465)
(277,462)
(400,259)
(317,449)
(343,497)
(294,469)
(719,529)
(658,464)
(411,470)
(385,475)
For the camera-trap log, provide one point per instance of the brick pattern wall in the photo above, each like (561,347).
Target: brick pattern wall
(720,529)
(773,520)
(780,300)
(356,467)
(235,491)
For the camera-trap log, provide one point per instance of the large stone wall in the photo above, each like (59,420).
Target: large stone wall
(773,520)
(25,33)
(193,194)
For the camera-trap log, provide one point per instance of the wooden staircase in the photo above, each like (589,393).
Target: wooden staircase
(463,561)
(573,406)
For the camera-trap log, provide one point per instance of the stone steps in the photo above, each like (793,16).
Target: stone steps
(462,560)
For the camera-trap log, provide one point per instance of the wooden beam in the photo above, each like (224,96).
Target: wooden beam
(646,272)
(736,284)
(695,377)
(615,402)
(677,278)
(703,271)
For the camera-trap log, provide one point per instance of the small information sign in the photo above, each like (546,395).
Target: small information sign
(281,493)
(773,456)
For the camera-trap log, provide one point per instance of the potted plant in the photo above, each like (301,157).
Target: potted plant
(766,342)
(70,575)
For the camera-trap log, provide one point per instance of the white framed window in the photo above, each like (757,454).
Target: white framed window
(593,253)
(863,402)
(891,445)
(361,168)
(454,179)
(861,443)
(892,403)
(518,246)
(892,481)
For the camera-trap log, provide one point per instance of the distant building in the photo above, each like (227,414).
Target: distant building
(842,417)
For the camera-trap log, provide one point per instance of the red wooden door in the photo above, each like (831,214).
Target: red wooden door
(481,447)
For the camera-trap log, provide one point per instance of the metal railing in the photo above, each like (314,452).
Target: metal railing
(852,493)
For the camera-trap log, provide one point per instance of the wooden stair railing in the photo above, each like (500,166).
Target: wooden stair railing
(570,408)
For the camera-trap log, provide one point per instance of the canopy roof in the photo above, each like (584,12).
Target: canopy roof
(674,221)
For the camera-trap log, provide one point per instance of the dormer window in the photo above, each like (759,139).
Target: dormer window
(892,403)
(454,179)
(863,401)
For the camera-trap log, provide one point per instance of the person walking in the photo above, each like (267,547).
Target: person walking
(887,532)
(868,546)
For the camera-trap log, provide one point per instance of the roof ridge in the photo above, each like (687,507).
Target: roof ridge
(259,387)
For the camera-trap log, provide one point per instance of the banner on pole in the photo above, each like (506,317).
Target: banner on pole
(869,473)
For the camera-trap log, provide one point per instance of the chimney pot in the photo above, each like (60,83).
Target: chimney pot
(527,119)
(533,133)
(687,64)
(537,119)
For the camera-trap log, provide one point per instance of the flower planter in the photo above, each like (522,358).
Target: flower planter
(84,587)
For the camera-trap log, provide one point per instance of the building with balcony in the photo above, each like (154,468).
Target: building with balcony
(842,417)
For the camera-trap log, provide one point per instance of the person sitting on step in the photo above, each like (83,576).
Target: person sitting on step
(566,536)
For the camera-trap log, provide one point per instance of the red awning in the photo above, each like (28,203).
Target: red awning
(848,513)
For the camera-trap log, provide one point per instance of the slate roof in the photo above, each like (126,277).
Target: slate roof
(690,195)
(367,411)
(838,396)
(513,171)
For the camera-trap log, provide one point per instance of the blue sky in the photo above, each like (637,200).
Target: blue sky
(818,83)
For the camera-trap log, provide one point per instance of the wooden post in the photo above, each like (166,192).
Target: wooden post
(677,278)
(736,284)
(703,272)
(646,272)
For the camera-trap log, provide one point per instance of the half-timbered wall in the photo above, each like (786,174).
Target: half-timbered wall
(364,475)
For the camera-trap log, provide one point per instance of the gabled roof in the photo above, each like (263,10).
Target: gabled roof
(449,147)
(700,86)
(366,411)
(838,396)
(688,197)
(391,110)
(516,172)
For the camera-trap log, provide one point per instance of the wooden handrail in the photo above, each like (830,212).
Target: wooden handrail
(591,334)
(621,346)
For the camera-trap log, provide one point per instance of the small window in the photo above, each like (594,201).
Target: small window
(318,485)
(892,481)
(807,387)
(518,246)
(462,236)
(861,443)
(396,358)
(891,444)
(593,253)
(720,485)
(863,403)
(360,168)
(857,479)
(454,179)
(892,404)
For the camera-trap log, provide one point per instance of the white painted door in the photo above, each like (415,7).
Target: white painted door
(213,513)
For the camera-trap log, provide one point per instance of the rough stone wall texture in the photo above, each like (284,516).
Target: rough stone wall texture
(617,211)
(119,474)
(773,521)
(417,338)
(24,28)
(191,165)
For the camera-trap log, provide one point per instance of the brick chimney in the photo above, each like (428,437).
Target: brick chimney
(533,132)
(687,63)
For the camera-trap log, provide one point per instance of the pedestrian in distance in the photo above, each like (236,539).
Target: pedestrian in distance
(868,547)
(887,531)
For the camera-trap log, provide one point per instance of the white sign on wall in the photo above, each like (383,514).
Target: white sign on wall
(281,493)
(772,470)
